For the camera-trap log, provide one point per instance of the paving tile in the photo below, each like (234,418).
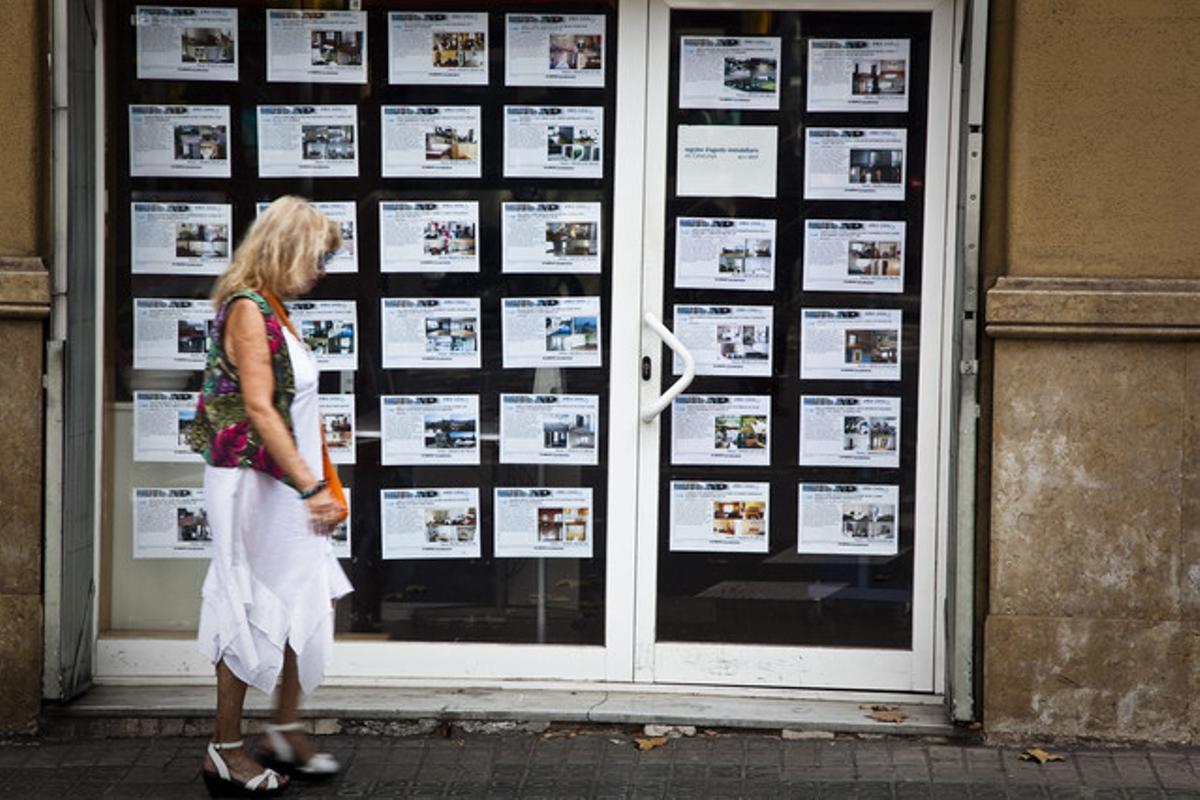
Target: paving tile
(513,765)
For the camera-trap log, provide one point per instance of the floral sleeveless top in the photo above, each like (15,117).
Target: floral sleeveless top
(222,432)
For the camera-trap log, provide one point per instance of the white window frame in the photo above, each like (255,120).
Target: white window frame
(630,654)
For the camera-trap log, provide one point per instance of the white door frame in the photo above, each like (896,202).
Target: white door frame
(917,670)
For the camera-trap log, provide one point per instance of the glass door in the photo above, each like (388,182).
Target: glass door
(795,217)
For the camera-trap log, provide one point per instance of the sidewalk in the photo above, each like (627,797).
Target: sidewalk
(597,762)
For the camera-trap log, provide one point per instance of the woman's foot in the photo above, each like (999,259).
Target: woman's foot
(231,771)
(287,748)
(301,744)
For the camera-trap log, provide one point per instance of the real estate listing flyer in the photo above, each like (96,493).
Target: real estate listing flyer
(853,256)
(171,333)
(330,329)
(554,141)
(840,431)
(431,141)
(729,72)
(345,214)
(339,540)
(170,523)
(308,141)
(438,48)
(554,50)
(854,163)
(855,519)
(337,421)
(720,517)
(430,332)
(429,523)
(551,332)
(428,236)
(549,428)
(179,141)
(161,424)
(726,340)
(551,237)
(724,253)
(179,238)
(184,43)
(726,160)
(543,523)
(429,429)
(307,46)
(721,429)
(850,344)
(858,75)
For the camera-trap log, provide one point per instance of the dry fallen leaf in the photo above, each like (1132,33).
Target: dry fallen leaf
(884,713)
(650,743)
(1040,756)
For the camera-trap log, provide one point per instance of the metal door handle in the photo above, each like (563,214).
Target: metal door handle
(654,408)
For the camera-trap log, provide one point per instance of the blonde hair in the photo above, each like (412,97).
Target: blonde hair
(279,253)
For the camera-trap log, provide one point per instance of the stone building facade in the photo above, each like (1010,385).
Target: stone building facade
(1089,473)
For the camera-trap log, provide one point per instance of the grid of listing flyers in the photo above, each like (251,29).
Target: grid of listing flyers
(736,255)
(431,235)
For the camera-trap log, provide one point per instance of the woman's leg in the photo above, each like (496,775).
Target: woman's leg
(287,706)
(231,694)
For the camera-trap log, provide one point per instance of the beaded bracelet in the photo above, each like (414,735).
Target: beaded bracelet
(317,488)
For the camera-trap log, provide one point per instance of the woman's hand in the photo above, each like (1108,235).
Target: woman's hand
(324,512)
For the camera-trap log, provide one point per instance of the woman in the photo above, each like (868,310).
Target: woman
(272,500)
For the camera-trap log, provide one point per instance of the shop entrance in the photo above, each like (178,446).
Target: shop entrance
(634,359)
(795,247)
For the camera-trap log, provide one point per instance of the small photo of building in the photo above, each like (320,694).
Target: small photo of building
(201,143)
(445,525)
(572,239)
(459,49)
(450,144)
(191,336)
(328,337)
(751,75)
(875,257)
(207,46)
(191,524)
(572,144)
(449,239)
(876,166)
(879,77)
(337,48)
(872,346)
(327,142)
(194,240)
(744,342)
(576,52)
(450,335)
(572,334)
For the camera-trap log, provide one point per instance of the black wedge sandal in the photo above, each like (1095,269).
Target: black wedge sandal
(267,783)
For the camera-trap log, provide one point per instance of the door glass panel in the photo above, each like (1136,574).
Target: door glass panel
(415,595)
(740,420)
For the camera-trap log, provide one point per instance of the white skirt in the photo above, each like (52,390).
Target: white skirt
(270,583)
